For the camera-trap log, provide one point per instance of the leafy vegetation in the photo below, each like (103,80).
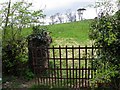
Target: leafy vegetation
(14,18)
(15,44)
(18,20)
(105,31)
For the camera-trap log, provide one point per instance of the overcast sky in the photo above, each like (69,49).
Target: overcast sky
(51,7)
(61,6)
(54,6)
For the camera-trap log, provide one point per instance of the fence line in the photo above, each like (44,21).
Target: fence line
(64,66)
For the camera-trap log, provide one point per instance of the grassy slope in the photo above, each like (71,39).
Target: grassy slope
(26,32)
(74,33)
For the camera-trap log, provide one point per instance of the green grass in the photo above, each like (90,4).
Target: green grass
(45,87)
(77,30)
(74,33)
(26,32)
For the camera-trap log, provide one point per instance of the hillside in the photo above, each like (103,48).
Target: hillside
(74,33)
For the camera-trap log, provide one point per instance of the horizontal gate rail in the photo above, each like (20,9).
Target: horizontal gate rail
(63,47)
(70,67)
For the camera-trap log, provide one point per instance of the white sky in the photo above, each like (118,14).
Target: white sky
(54,6)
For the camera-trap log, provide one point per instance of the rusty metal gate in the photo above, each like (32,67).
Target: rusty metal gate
(70,67)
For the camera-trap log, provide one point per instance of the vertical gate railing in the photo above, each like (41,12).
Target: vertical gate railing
(70,67)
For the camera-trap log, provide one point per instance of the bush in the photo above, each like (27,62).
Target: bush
(39,36)
(14,55)
(105,31)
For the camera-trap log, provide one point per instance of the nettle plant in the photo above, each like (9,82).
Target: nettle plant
(105,32)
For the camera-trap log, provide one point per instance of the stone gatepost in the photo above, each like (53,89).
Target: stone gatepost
(38,51)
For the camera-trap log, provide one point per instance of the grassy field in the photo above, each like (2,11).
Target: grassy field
(74,33)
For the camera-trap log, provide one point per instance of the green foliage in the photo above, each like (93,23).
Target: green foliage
(104,75)
(28,74)
(40,36)
(105,31)
(14,45)
(20,15)
(14,56)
